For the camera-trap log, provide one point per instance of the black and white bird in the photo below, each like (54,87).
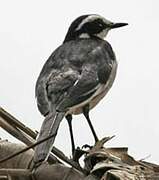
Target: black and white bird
(77,75)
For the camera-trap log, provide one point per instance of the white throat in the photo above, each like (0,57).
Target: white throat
(102,34)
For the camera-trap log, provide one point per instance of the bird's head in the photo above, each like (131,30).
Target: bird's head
(88,26)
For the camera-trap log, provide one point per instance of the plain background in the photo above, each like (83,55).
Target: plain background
(31,30)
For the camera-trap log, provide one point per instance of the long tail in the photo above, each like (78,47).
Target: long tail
(49,127)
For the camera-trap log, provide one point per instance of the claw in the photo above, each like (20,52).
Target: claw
(78,153)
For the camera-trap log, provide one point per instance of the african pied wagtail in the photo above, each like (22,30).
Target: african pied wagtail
(77,75)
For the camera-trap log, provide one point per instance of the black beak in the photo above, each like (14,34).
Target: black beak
(117,25)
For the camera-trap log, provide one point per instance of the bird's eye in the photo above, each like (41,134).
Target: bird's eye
(100,24)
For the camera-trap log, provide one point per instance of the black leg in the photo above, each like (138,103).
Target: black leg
(69,120)
(86,114)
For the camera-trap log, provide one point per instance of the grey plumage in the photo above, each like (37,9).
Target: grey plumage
(78,73)
(66,82)
(89,63)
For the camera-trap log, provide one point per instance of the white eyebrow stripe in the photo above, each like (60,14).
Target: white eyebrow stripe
(88,19)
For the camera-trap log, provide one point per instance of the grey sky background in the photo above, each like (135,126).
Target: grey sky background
(31,30)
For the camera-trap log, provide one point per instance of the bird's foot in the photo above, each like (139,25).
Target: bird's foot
(98,144)
(78,153)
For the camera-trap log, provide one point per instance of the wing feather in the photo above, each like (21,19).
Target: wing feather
(87,85)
